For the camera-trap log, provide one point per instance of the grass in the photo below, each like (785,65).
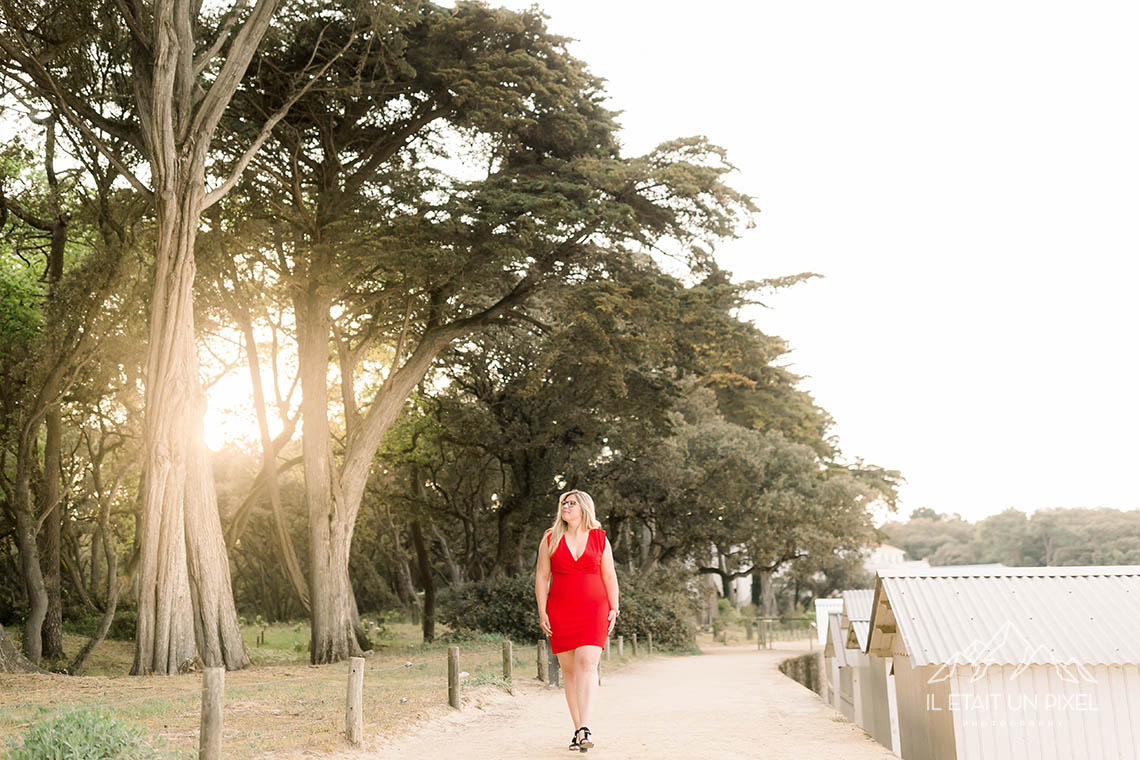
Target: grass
(280,706)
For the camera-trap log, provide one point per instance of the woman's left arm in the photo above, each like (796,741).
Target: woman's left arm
(609,578)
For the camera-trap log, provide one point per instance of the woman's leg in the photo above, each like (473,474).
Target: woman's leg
(586,676)
(568,662)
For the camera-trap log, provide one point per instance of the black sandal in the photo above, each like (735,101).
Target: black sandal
(585,742)
(574,745)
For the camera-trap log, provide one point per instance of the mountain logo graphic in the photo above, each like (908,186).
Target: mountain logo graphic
(1009,645)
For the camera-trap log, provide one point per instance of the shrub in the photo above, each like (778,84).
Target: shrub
(661,605)
(125,624)
(495,605)
(82,735)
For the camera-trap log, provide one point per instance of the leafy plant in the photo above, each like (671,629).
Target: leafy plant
(82,735)
(661,605)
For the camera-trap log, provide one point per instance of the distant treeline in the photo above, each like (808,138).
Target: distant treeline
(1047,537)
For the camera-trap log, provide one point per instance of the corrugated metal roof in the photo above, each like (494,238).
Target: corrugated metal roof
(823,608)
(1013,615)
(857,608)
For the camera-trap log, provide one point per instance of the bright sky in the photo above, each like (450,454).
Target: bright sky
(967,177)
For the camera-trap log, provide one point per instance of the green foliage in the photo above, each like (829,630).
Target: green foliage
(661,603)
(504,605)
(82,735)
(1047,537)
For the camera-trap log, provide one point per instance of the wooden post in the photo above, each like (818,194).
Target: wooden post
(453,677)
(760,634)
(724,636)
(508,660)
(210,731)
(599,671)
(649,643)
(748,629)
(543,661)
(608,645)
(767,634)
(555,670)
(354,703)
(634,645)
(621,646)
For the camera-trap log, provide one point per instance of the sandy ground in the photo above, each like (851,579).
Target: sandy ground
(731,702)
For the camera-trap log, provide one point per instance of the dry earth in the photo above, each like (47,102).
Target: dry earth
(730,702)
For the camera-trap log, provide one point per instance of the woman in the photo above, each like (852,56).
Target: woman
(577,592)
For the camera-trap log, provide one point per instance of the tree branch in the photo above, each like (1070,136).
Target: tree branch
(219,192)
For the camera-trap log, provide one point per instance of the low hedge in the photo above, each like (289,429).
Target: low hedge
(661,604)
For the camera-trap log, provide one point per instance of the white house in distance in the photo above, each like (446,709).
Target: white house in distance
(878,557)
(1011,662)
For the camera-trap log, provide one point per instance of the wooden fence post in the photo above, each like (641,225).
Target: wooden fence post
(649,643)
(354,703)
(599,671)
(555,669)
(210,731)
(621,646)
(543,661)
(508,660)
(634,640)
(748,629)
(453,677)
(608,645)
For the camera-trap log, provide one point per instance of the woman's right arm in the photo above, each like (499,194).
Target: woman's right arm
(542,582)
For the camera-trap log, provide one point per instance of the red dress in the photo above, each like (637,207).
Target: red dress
(578,605)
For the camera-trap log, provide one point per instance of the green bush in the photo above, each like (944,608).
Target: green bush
(661,605)
(125,624)
(82,735)
(495,605)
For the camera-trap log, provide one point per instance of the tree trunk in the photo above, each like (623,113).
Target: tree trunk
(453,572)
(424,563)
(186,606)
(725,580)
(330,528)
(767,593)
(80,662)
(291,566)
(52,631)
(29,559)
(11,660)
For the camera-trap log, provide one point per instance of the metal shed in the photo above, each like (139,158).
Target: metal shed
(1011,662)
(823,608)
(868,673)
(838,675)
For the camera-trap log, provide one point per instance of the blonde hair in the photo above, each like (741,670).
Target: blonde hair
(589,517)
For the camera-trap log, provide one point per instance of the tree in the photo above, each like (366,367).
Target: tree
(931,536)
(61,267)
(413,260)
(181,68)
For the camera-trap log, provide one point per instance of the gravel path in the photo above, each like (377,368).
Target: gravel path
(730,702)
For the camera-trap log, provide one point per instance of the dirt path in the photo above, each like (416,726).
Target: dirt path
(727,703)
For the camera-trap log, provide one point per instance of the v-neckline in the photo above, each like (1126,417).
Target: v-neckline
(566,543)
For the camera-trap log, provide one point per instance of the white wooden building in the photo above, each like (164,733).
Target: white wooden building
(1010,663)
